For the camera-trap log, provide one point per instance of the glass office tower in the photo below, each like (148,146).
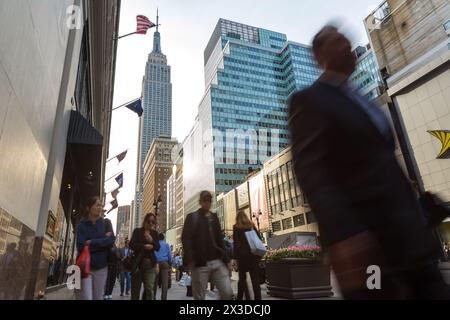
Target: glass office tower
(242,120)
(367,77)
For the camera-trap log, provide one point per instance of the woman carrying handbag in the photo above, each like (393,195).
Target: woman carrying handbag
(246,260)
(92,231)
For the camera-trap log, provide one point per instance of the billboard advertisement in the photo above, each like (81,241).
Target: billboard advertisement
(258,204)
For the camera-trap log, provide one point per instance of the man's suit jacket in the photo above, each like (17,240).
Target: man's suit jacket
(349,174)
(196,234)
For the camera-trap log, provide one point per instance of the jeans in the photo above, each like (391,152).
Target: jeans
(219,273)
(125,277)
(93,287)
(146,274)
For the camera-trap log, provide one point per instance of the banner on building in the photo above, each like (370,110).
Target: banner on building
(258,205)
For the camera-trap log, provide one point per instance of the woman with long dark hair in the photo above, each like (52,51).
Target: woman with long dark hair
(96,232)
(246,260)
(144,243)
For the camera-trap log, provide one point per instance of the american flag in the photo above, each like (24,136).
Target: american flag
(143,24)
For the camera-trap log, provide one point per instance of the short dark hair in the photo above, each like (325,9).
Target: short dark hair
(161,236)
(205,195)
(321,36)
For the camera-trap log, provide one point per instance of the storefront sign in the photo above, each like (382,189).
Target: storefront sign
(444,138)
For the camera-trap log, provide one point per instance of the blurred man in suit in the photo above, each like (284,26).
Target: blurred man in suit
(343,150)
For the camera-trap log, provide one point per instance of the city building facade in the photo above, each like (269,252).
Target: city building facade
(132,218)
(272,199)
(367,76)
(249,75)
(157,117)
(171,233)
(412,46)
(158,168)
(288,209)
(175,204)
(123,217)
(123,234)
(179,199)
(57,62)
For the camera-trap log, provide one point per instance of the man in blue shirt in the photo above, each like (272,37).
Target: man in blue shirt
(178,263)
(125,274)
(164,257)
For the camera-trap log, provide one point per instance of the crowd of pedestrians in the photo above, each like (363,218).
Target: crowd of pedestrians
(145,262)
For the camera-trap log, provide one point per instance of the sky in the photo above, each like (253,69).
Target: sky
(186,27)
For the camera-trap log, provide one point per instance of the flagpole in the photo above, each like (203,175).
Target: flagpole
(116,156)
(125,104)
(126,35)
(113,190)
(113,176)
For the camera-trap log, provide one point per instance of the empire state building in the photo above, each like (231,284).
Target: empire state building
(157,118)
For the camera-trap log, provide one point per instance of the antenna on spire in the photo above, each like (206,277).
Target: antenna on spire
(157,19)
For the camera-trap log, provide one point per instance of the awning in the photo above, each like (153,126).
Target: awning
(83,164)
(81,131)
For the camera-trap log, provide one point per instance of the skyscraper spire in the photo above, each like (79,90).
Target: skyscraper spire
(157,19)
(157,36)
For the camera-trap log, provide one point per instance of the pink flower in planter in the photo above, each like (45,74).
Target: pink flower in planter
(303,252)
(304,248)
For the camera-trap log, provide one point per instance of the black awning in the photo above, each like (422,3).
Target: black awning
(82,132)
(83,164)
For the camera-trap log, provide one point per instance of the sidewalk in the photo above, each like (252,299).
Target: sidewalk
(177,292)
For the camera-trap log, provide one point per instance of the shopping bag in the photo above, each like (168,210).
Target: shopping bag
(188,281)
(257,247)
(84,262)
(182,281)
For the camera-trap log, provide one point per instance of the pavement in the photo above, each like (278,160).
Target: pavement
(178,292)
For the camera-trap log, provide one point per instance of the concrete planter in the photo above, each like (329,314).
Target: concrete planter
(298,279)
